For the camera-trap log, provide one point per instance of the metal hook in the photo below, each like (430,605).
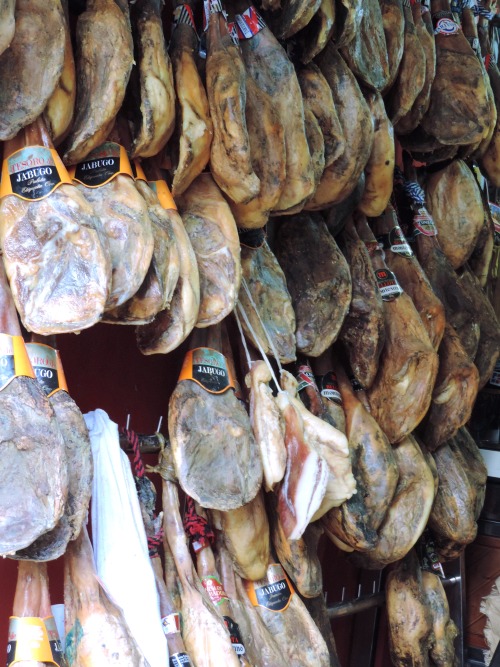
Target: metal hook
(128,422)
(343,593)
(374,586)
(359,590)
(159,425)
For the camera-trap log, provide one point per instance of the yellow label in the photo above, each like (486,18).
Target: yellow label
(47,365)
(102,165)
(139,172)
(28,641)
(209,369)
(32,173)
(14,359)
(163,193)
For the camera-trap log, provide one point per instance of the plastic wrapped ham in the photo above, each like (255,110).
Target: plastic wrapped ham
(120,544)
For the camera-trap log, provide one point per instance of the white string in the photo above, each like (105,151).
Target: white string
(259,346)
(247,353)
(269,338)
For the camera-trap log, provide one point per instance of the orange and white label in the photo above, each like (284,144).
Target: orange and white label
(14,359)
(274,592)
(209,369)
(47,365)
(32,173)
(163,193)
(28,640)
(102,165)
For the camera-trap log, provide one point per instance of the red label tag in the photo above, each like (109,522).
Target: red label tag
(249,23)
(215,590)
(423,223)
(305,378)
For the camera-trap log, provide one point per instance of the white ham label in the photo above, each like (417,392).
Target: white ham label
(329,387)
(396,242)
(171,624)
(445,26)
(388,285)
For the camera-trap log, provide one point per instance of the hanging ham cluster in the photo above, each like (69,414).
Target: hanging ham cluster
(258,205)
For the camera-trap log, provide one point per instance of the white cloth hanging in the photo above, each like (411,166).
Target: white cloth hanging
(119,540)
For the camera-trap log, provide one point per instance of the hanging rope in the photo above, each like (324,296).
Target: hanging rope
(197,527)
(133,439)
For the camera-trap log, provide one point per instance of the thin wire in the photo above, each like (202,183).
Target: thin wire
(269,338)
(259,346)
(247,353)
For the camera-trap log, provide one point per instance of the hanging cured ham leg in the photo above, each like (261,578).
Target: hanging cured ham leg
(205,635)
(287,619)
(319,281)
(27,604)
(30,67)
(7,23)
(302,490)
(454,394)
(96,631)
(230,159)
(194,126)
(153,93)
(52,545)
(459,108)
(60,279)
(375,470)
(330,444)
(265,298)
(208,426)
(267,424)
(459,309)
(363,330)
(104,59)
(29,430)
(212,231)
(173,325)
(260,645)
(58,114)
(400,259)
(408,365)
(267,62)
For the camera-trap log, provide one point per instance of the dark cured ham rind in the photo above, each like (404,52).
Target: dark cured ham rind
(363,331)
(104,58)
(319,282)
(366,53)
(454,393)
(32,65)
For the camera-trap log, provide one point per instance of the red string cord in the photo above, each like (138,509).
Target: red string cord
(197,527)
